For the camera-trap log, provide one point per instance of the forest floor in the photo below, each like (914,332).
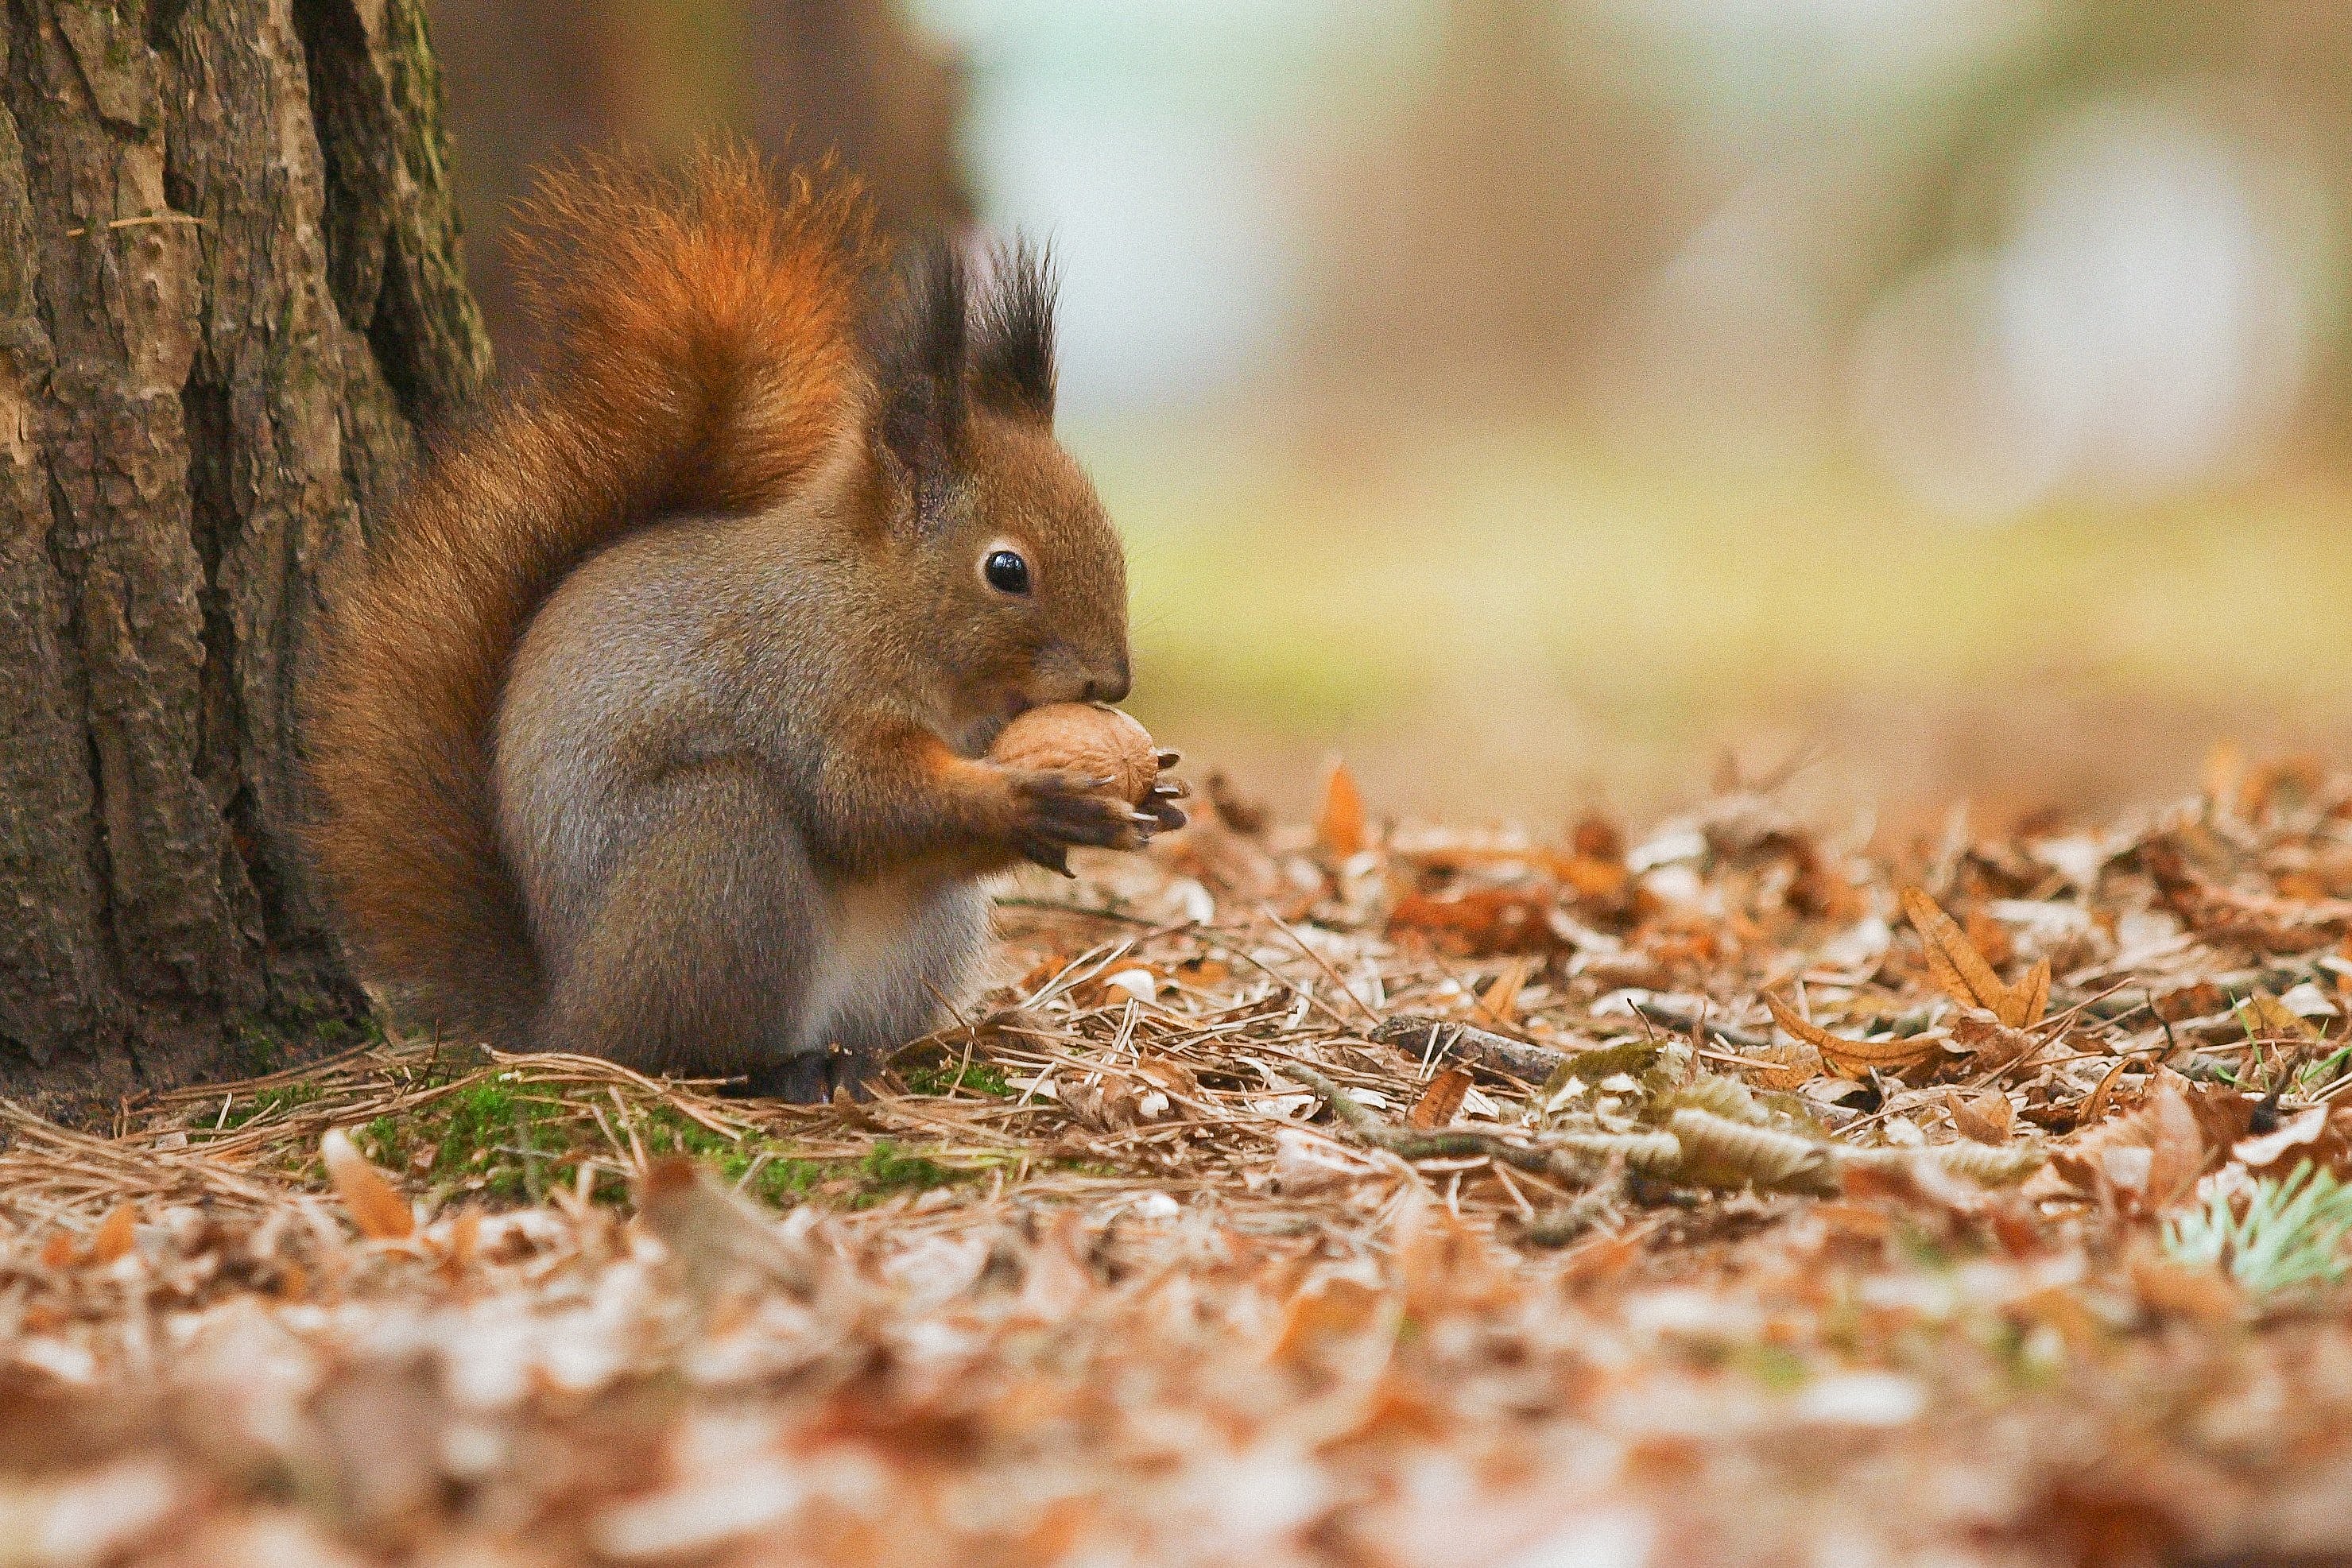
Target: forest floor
(1716,1193)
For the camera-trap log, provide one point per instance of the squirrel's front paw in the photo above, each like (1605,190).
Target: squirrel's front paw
(1055,809)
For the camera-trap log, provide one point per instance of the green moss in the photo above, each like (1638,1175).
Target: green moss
(973,1077)
(887,1172)
(271,1102)
(509,1142)
(487,1137)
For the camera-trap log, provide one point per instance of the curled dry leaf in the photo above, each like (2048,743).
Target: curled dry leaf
(1111,1106)
(1717,1152)
(2303,1136)
(2156,1153)
(1852,1058)
(380,1212)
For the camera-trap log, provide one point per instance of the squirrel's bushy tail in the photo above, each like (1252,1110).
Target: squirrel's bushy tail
(702,334)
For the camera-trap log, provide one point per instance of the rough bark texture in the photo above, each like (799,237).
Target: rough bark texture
(230,288)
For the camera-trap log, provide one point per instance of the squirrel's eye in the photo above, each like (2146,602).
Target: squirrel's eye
(1006,572)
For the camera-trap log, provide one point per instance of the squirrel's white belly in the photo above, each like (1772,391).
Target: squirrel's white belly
(892,955)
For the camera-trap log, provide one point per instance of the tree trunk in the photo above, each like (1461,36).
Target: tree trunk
(230,288)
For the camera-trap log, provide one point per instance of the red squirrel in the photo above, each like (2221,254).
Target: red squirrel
(655,725)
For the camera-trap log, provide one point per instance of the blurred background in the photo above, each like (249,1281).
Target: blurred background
(1551,403)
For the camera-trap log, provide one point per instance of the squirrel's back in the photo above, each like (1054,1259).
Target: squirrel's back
(704,354)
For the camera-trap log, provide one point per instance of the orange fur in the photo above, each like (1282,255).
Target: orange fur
(704,354)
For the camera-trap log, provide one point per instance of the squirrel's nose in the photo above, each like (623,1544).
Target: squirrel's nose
(1111,689)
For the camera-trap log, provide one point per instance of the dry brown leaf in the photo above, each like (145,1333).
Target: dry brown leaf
(1438,1102)
(1483,920)
(1987,1119)
(2156,1152)
(1339,824)
(2301,1137)
(1851,1058)
(2267,1018)
(2033,994)
(1993,1043)
(380,1212)
(1782,1067)
(112,1237)
(2096,1106)
(1961,970)
(1111,1106)
(718,1237)
(1500,1000)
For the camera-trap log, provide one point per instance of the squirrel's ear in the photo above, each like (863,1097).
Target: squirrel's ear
(1013,333)
(917,346)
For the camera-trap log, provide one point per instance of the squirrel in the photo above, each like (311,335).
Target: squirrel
(655,725)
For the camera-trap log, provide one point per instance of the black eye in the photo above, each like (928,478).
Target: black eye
(1006,572)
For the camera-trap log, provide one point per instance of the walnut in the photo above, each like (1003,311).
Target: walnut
(1084,737)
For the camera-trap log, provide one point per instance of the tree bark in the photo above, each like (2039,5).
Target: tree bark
(230,291)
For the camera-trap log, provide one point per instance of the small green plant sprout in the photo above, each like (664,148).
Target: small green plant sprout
(2292,1233)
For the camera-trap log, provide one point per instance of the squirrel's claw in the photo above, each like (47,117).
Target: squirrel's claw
(1063,809)
(1168,759)
(1053,857)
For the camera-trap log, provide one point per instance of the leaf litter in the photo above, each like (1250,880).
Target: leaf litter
(1357,1193)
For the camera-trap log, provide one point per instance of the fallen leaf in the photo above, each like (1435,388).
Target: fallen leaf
(381,1213)
(1484,920)
(1963,973)
(2295,1134)
(1851,1058)
(1781,1067)
(1340,825)
(2156,1152)
(717,1235)
(1438,1102)
(112,1237)
(2266,1018)
(1976,1033)
(2096,1106)
(1500,1000)
(1987,1119)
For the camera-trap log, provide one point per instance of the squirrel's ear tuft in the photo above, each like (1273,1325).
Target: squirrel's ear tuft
(918,345)
(1013,333)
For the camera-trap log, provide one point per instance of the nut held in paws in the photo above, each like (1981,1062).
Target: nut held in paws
(1084,737)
